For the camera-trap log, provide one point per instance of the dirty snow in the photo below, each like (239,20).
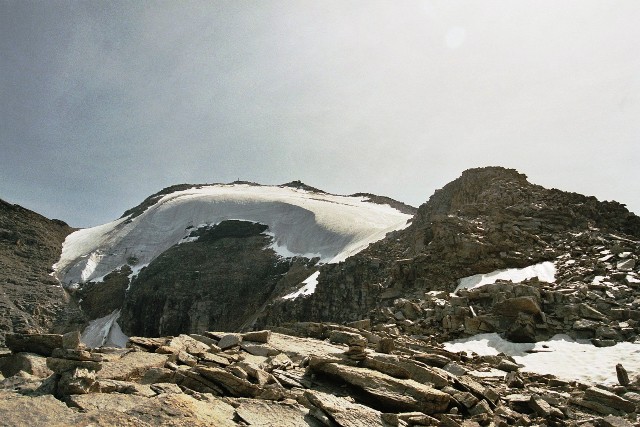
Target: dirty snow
(309,287)
(104,331)
(545,272)
(302,223)
(563,357)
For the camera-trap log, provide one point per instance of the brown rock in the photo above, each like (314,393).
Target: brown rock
(349,338)
(77,381)
(229,340)
(42,344)
(269,413)
(71,340)
(257,336)
(623,377)
(609,399)
(17,410)
(132,366)
(345,413)
(406,395)
(28,362)
(386,345)
(59,366)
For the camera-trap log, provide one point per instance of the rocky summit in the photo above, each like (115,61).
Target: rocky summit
(497,302)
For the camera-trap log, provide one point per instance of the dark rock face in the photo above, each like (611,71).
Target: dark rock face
(97,299)
(218,282)
(31,300)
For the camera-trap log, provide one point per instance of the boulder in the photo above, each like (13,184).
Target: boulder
(132,366)
(344,412)
(402,394)
(77,381)
(229,340)
(42,344)
(609,399)
(270,413)
(257,336)
(71,340)
(30,363)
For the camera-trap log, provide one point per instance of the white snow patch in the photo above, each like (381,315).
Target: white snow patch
(333,227)
(104,331)
(561,356)
(310,287)
(632,279)
(545,272)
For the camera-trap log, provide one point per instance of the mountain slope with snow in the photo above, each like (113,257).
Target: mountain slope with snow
(301,222)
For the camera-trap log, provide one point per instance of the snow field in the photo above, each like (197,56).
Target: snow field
(545,272)
(302,223)
(561,356)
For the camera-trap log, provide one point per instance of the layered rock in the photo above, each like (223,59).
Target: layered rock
(31,300)
(306,382)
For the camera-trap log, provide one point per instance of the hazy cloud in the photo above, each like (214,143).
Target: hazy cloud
(103,103)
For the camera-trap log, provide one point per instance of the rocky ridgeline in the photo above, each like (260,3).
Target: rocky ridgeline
(486,220)
(345,376)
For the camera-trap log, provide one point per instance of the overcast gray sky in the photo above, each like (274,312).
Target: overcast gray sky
(104,102)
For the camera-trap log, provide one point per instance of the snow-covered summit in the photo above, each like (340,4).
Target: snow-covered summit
(302,223)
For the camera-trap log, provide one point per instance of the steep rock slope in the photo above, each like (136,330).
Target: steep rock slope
(218,282)
(31,300)
(488,219)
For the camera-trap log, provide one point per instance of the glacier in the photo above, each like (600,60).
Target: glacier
(301,222)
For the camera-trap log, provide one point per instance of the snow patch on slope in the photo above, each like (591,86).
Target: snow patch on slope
(104,331)
(545,272)
(302,223)
(309,287)
(561,356)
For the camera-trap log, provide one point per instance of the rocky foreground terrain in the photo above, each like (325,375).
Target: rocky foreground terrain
(213,341)
(346,376)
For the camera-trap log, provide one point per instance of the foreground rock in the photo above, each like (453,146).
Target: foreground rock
(184,381)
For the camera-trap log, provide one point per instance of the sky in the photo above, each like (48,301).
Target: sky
(104,103)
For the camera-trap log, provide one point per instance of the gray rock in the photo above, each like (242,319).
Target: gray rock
(349,338)
(609,399)
(613,421)
(264,350)
(543,408)
(508,366)
(71,340)
(229,341)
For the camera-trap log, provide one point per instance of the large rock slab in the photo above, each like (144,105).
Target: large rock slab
(132,366)
(17,410)
(163,410)
(269,413)
(344,412)
(609,399)
(42,344)
(392,394)
(30,363)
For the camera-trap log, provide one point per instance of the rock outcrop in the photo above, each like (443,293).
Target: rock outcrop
(189,380)
(31,300)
